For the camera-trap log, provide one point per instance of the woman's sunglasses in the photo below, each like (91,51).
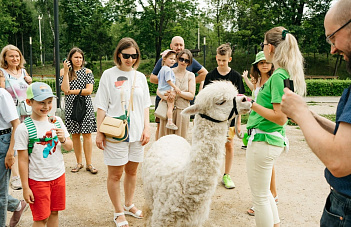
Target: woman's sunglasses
(127,56)
(184,60)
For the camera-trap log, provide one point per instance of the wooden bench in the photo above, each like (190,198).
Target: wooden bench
(320,77)
(44,76)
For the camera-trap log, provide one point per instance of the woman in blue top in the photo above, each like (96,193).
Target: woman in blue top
(266,123)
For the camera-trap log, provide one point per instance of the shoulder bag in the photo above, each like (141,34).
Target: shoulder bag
(117,128)
(79,108)
(23,109)
(161,110)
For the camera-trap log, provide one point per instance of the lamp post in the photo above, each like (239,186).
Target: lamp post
(41,48)
(204,51)
(30,56)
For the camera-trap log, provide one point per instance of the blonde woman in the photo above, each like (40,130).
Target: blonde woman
(14,78)
(112,99)
(267,122)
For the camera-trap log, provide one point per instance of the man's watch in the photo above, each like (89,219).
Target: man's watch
(252,100)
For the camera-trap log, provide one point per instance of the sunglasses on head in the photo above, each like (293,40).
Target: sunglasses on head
(184,60)
(127,56)
(262,45)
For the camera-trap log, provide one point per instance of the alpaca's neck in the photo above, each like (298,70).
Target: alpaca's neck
(207,152)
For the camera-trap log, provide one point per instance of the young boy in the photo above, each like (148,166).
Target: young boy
(166,82)
(224,72)
(41,166)
(8,119)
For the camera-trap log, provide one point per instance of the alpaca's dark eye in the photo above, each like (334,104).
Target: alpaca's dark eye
(221,103)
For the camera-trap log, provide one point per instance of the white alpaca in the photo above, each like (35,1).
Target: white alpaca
(179,179)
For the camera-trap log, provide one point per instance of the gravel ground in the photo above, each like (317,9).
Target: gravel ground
(301,186)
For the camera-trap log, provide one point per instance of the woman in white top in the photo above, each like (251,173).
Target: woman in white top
(12,71)
(115,86)
(260,72)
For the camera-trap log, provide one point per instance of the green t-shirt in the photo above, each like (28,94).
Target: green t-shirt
(271,92)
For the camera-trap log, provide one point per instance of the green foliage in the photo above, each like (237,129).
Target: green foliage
(326,87)
(87,27)
(16,24)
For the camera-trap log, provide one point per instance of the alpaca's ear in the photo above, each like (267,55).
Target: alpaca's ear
(191,110)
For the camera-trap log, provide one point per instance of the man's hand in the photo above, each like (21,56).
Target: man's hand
(9,160)
(293,105)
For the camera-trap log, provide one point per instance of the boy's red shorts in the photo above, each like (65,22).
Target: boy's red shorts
(48,196)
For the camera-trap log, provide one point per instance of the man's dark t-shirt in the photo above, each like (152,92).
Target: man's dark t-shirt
(233,76)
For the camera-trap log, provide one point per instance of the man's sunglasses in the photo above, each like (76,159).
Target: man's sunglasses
(127,56)
(332,34)
(184,60)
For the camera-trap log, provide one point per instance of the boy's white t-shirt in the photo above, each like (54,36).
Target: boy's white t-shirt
(108,97)
(40,168)
(8,111)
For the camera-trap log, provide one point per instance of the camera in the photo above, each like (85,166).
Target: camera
(69,65)
(289,84)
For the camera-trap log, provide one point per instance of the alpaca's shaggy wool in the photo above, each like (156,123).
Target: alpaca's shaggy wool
(180,179)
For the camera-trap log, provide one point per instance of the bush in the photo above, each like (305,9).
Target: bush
(314,87)
(326,87)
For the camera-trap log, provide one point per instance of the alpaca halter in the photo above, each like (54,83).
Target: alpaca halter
(234,110)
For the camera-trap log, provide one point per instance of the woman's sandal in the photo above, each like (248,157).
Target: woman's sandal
(77,168)
(127,211)
(120,224)
(251,211)
(91,169)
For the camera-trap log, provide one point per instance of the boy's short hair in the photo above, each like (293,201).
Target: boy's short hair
(224,49)
(39,91)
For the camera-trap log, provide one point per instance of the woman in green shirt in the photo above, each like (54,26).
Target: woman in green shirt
(267,123)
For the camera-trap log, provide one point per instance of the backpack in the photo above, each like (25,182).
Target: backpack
(33,137)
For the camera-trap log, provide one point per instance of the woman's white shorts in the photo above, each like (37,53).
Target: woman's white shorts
(119,154)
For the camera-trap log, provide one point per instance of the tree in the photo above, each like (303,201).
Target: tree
(19,17)
(86,26)
(159,20)
(7,23)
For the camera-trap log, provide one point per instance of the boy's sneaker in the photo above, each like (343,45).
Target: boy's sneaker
(171,126)
(17,215)
(15,183)
(227,182)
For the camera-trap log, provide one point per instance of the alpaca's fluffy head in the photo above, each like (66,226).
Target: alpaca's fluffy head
(216,101)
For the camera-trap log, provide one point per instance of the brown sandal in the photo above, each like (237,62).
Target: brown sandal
(91,169)
(77,168)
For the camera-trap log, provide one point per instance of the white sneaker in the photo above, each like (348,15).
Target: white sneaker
(171,126)
(15,183)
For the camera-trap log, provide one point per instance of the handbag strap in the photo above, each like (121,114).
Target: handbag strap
(11,87)
(131,96)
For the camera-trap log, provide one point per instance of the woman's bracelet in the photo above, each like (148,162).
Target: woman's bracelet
(63,141)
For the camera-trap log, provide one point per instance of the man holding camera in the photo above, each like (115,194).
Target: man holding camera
(328,140)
